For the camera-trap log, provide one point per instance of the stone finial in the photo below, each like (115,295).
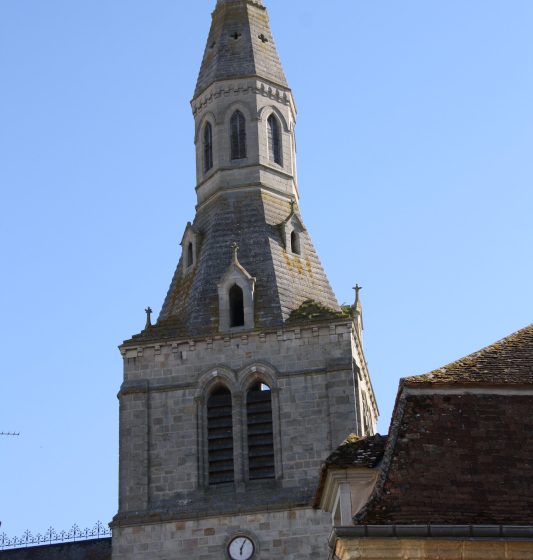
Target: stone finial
(357,290)
(293,204)
(357,313)
(148,312)
(235,249)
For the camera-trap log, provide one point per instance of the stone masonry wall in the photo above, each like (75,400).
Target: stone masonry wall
(295,534)
(162,443)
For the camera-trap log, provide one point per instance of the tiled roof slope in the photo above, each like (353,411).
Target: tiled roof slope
(353,453)
(284,281)
(240,44)
(458,459)
(509,360)
(358,452)
(462,457)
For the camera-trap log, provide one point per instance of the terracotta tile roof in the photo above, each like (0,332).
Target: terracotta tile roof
(462,457)
(507,361)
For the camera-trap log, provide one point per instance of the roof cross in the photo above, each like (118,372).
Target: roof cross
(148,312)
(357,290)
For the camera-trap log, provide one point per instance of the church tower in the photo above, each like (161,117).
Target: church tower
(252,373)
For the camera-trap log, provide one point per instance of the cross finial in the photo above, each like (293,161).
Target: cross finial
(293,203)
(357,290)
(148,312)
(235,248)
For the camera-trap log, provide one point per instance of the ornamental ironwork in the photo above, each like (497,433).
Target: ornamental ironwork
(51,536)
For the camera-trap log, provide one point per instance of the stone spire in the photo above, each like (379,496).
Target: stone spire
(240,44)
(249,195)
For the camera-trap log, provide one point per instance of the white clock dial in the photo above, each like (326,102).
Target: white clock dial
(241,548)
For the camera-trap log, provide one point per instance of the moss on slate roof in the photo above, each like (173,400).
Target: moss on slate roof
(509,360)
(311,310)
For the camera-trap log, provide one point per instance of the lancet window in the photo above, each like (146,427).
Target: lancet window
(274,139)
(238,136)
(208,147)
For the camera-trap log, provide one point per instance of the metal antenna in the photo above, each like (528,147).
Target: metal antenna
(15,434)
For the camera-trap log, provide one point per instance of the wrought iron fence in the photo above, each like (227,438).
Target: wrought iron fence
(99,531)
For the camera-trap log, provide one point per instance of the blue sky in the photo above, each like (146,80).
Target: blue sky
(415,144)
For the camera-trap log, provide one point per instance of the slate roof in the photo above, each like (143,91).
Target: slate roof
(462,457)
(252,53)
(284,281)
(508,361)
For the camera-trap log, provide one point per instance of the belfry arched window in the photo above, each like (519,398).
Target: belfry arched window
(208,147)
(220,436)
(236,306)
(260,432)
(274,140)
(238,136)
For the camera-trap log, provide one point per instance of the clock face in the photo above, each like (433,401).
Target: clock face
(241,548)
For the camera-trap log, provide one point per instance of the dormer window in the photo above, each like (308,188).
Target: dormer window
(208,147)
(238,136)
(274,140)
(295,243)
(236,297)
(236,306)
(189,249)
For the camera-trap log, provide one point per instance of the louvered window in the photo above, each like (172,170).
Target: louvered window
(208,147)
(238,136)
(274,140)
(220,437)
(260,433)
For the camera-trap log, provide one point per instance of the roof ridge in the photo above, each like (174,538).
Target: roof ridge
(470,359)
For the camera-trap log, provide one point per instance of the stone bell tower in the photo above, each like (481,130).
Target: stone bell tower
(252,373)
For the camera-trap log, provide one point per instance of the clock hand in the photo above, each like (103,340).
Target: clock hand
(242,545)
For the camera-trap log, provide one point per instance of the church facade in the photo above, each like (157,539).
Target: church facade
(253,373)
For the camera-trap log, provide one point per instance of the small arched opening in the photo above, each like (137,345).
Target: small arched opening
(295,243)
(236,306)
(190,255)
